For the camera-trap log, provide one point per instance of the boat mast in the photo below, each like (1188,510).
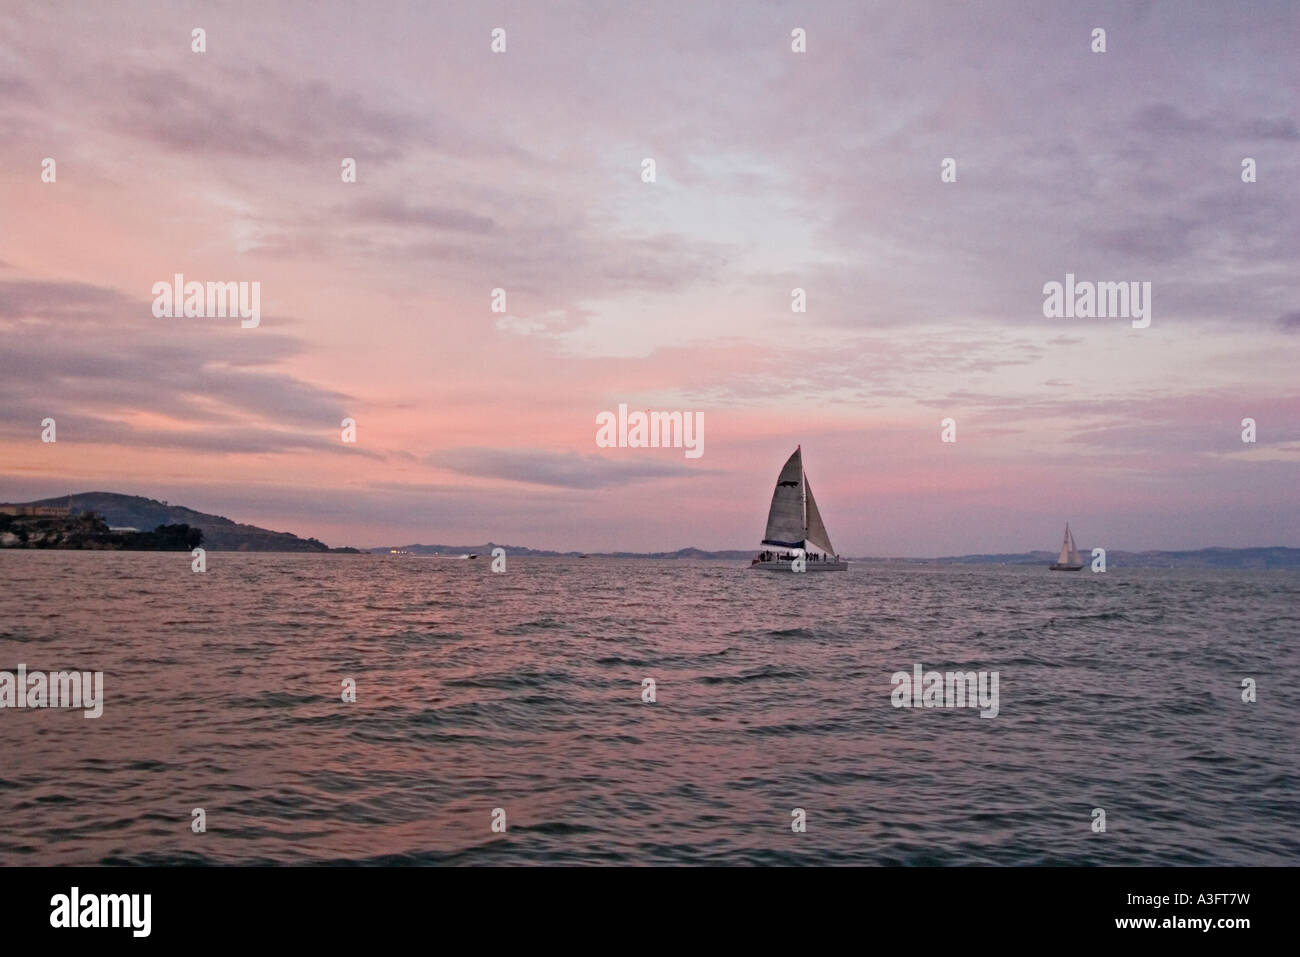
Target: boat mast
(803,496)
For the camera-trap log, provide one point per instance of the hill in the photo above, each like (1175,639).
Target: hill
(219,532)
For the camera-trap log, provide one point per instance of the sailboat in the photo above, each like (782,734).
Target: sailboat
(793,521)
(1068,560)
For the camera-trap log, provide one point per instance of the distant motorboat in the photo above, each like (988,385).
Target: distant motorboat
(793,521)
(1068,560)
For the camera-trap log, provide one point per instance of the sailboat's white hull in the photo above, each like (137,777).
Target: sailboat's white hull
(809,566)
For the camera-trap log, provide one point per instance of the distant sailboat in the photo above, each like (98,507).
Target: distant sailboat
(793,521)
(1068,560)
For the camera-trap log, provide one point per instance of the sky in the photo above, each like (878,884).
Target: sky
(774,170)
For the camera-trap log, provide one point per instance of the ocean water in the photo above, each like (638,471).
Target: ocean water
(523,691)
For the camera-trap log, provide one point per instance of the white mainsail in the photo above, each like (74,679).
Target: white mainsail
(1069,552)
(793,519)
(785,517)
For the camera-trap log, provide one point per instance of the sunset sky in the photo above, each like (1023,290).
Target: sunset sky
(775,170)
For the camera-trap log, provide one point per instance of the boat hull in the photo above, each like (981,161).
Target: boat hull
(810,566)
(1058,567)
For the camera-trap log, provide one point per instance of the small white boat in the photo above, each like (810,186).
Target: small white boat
(794,524)
(1068,560)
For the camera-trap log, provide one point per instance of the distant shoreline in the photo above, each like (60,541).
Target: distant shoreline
(1227,559)
(136,523)
(1269,557)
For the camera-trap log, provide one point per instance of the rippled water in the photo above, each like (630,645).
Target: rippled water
(523,691)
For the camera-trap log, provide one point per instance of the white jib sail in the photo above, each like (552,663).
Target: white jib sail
(816,531)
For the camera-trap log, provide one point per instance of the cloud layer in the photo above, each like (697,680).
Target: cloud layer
(775,170)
